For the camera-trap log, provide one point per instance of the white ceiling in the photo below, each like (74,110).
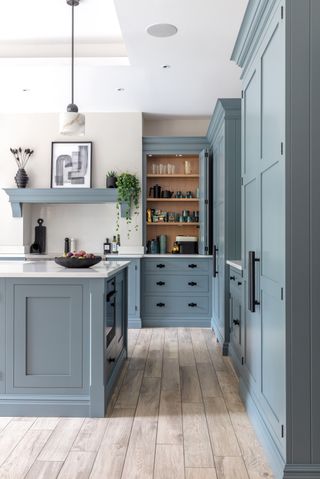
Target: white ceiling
(114,51)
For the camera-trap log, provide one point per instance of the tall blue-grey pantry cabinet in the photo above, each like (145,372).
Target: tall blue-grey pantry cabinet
(278,48)
(224,134)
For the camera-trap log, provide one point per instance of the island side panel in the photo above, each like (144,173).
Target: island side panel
(2,335)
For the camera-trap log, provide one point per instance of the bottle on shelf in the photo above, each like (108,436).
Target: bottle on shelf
(114,247)
(73,245)
(107,247)
(118,242)
(66,246)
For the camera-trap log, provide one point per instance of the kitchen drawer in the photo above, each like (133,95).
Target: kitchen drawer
(160,283)
(176,305)
(176,265)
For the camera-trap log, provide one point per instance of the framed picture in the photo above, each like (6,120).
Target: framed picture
(71,164)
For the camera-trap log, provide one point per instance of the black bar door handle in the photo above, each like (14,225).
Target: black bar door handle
(192,283)
(215,251)
(233,278)
(160,305)
(161,265)
(161,283)
(252,302)
(192,265)
(192,305)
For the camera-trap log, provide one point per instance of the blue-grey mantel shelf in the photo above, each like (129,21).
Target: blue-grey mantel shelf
(18,196)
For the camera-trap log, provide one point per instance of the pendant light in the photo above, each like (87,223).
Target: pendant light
(72,122)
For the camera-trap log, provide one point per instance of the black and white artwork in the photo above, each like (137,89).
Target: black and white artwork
(71,164)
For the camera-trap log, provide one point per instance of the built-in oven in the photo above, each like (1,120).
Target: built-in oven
(110,312)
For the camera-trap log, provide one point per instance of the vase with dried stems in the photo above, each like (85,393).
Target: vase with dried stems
(22,157)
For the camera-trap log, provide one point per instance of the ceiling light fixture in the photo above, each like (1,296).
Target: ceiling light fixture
(165,67)
(162,30)
(72,122)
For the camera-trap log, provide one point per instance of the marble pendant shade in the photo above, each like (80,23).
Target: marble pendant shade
(72,123)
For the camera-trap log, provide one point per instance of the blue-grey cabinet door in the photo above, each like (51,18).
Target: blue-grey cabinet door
(203,203)
(2,336)
(263,224)
(121,320)
(44,337)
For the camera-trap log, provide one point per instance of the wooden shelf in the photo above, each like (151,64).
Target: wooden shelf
(173,199)
(172,223)
(172,176)
(18,196)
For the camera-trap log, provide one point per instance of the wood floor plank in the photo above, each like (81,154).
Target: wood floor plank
(228,382)
(170,387)
(4,421)
(148,404)
(129,392)
(223,438)
(44,470)
(117,388)
(46,423)
(208,380)
(11,436)
(190,386)
(201,473)
(61,440)
(251,449)
(214,351)
(112,452)
(90,435)
(200,349)
(231,467)
(140,352)
(170,347)
(170,423)
(197,446)
(78,465)
(154,360)
(133,335)
(186,355)
(24,455)
(139,461)
(169,462)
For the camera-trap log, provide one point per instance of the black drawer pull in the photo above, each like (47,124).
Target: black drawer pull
(192,283)
(192,305)
(161,283)
(239,283)
(111,360)
(232,278)
(160,305)
(192,265)
(236,322)
(161,265)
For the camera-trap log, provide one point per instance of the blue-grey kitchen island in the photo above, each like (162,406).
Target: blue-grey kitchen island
(63,337)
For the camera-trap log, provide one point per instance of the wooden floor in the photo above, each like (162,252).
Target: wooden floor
(176,414)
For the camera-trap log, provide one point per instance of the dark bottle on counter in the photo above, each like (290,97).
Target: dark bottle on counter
(66,245)
(107,247)
(114,247)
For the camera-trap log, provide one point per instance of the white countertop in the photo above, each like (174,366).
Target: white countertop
(49,269)
(235,263)
(170,255)
(40,257)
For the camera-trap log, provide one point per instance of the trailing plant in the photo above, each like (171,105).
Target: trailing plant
(128,196)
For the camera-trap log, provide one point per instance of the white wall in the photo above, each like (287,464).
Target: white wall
(117,144)
(197,126)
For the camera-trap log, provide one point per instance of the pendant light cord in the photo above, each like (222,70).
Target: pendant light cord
(72,55)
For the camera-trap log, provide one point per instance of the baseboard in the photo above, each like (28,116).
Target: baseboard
(45,407)
(273,454)
(134,323)
(302,471)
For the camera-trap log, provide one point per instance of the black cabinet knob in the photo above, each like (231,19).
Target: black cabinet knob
(160,305)
(192,283)
(236,322)
(192,305)
(111,360)
(192,265)
(239,283)
(161,283)
(161,265)
(232,278)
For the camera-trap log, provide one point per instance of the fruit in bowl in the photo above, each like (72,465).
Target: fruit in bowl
(78,259)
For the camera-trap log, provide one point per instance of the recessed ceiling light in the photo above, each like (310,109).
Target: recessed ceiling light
(120,89)
(25,90)
(165,67)
(161,30)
